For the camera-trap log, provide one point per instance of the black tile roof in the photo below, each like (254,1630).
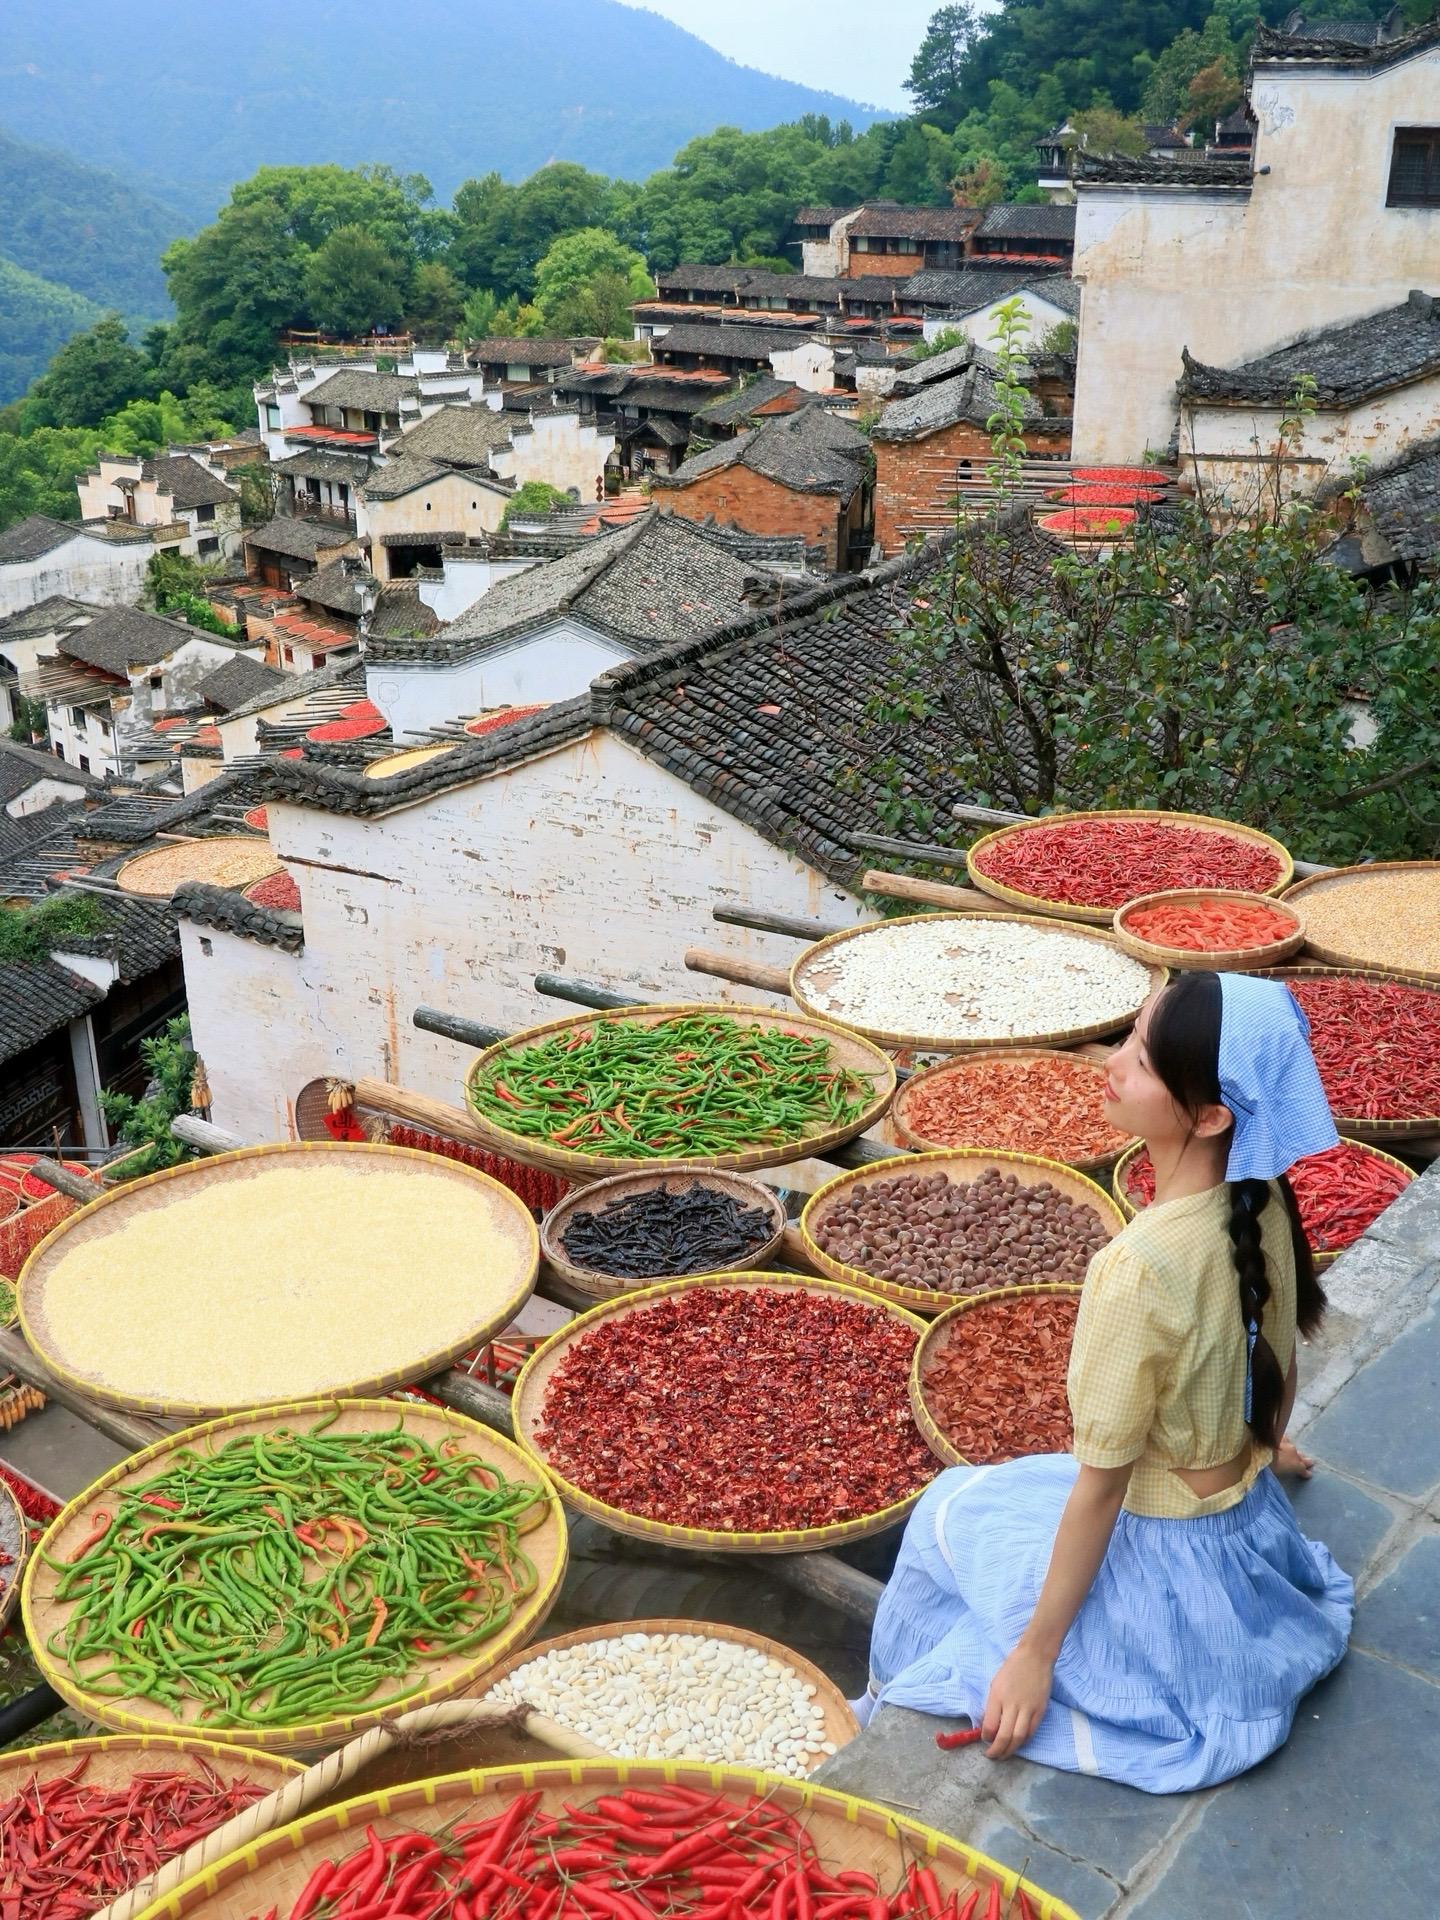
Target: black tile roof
(968,395)
(400,614)
(24,767)
(522,353)
(296,539)
(1045,222)
(138,934)
(1206,173)
(237,681)
(1339,46)
(188,483)
(316,464)
(964,289)
(38,1000)
(459,436)
(335,587)
(56,610)
(39,534)
(879,221)
(231,912)
(366,391)
(1403,504)
(809,451)
(119,638)
(1349,363)
(734,341)
(742,402)
(820,216)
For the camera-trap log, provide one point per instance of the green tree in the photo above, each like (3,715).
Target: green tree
(1214,92)
(1103,130)
(171,578)
(535,497)
(983,183)
(354,284)
(145,1123)
(587,281)
(38,469)
(937,73)
(236,286)
(478,319)
(91,376)
(257,493)
(437,302)
(501,231)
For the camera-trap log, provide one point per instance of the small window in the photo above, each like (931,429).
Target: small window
(157,682)
(272,419)
(1415,168)
(77,717)
(209,547)
(82,763)
(205,513)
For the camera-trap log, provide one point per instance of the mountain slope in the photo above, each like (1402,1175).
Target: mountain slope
(37,317)
(187,101)
(83,228)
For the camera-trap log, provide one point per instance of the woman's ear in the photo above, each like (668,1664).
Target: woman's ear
(1213,1121)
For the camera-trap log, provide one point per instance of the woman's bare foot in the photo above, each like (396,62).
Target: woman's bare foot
(1291,1463)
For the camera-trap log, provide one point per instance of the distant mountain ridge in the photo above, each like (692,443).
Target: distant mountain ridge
(185,101)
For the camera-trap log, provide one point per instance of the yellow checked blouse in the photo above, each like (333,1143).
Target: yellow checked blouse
(1157,1369)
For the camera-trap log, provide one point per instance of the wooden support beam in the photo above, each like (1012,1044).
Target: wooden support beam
(792,925)
(125,1429)
(925,850)
(200,1134)
(454,1026)
(744,973)
(825,1577)
(584,993)
(63,1181)
(419,1110)
(476,1399)
(932,893)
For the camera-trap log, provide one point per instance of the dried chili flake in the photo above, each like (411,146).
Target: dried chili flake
(1104,863)
(740,1410)
(996,1389)
(277,891)
(1047,1104)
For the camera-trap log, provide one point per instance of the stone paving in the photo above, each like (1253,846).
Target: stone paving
(1346,1818)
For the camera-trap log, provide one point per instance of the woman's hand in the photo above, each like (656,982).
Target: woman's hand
(1291,1463)
(1019,1695)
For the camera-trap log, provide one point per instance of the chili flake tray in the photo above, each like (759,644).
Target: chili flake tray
(529,1417)
(848,1052)
(436,1678)
(908,1130)
(1101,916)
(1196,959)
(807,979)
(220,1289)
(938,1337)
(846,1833)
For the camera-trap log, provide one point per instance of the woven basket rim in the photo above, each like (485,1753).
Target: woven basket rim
(136,860)
(351,1816)
(401,1376)
(935,1337)
(776,1541)
(592,1166)
(884,1036)
(15,1575)
(826,1691)
(1356,1126)
(1196,959)
(527,1617)
(957,1063)
(1100,916)
(937,1303)
(604,1286)
(1345,876)
(30,1759)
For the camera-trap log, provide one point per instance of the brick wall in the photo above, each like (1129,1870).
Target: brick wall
(861,264)
(916,478)
(737,497)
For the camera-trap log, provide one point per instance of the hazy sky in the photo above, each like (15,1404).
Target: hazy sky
(855,47)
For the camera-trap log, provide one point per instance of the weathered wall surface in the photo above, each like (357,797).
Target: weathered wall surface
(467,578)
(556,664)
(1040,313)
(591,861)
(1224,442)
(915,479)
(1231,279)
(736,497)
(453,504)
(81,569)
(561,450)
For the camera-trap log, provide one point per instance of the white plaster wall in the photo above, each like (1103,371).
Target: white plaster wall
(592,861)
(84,568)
(45,792)
(93,736)
(451,504)
(466,581)
(1231,279)
(195,774)
(1040,314)
(555,664)
(810,365)
(184,669)
(558,449)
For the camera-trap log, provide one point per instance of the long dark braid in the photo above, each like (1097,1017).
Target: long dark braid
(1184,1049)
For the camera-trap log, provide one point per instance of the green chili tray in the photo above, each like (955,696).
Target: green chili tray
(434,1677)
(847,1051)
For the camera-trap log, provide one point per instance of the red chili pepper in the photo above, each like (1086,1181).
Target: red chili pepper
(967,1912)
(99,1527)
(965,1737)
(1027,1912)
(992,1905)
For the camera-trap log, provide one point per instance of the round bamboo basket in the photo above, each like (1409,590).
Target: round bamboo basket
(114,1760)
(622,1186)
(529,1401)
(1322,1259)
(806,973)
(905,1099)
(513,1228)
(435,1677)
(1358,1126)
(1344,878)
(845,1832)
(1194,959)
(958,1164)
(847,1052)
(937,1338)
(227,860)
(840,1726)
(1101,916)
(14,1540)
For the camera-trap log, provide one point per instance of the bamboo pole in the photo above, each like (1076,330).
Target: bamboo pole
(16,1356)
(742,972)
(932,893)
(792,926)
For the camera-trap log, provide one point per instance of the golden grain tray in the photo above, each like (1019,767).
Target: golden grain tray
(1101,916)
(278,1273)
(222,861)
(845,1832)
(847,1052)
(807,981)
(960,1165)
(434,1677)
(622,1186)
(535,1376)
(1386,947)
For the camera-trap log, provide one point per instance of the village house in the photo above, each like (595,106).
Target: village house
(1347,144)
(764,297)
(725,346)
(803,473)
(349,408)
(543,634)
(525,363)
(1048,302)
(319,484)
(32,780)
(285,550)
(24,636)
(1395,530)
(103,565)
(184,505)
(1042,235)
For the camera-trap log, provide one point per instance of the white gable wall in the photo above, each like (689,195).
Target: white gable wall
(1040,313)
(83,568)
(468,578)
(592,861)
(48,789)
(553,664)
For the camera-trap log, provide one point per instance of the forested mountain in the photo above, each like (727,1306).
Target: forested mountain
(37,317)
(188,100)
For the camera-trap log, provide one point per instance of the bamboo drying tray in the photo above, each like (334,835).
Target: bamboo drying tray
(1195,959)
(804,976)
(115,1759)
(1357,1126)
(846,1833)
(436,1678)
(227,860)
(623,1186)
(529,1401)
(1101,916)
(959,1165)
(841,1726)
(14,1540)
(938,1337)
(1300,896)
(847,1052)
(394,763)
(909,1136)
(516,1241)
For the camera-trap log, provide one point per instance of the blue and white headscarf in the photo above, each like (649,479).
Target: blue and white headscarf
(1269,1080)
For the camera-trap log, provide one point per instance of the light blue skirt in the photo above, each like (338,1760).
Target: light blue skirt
(1183,1667)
